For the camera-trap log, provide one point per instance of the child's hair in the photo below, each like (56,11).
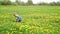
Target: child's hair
(15,14)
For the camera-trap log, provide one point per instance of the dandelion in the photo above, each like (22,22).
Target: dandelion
(2,15)
(26,26)
(8,32)
(12,32)
(0,25)
(5,16)
(20,28)
(20,32)
(13,28)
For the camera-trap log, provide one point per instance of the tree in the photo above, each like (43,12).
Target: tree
(18,2)
(43,3)
(29,2)
(54,3)
(6,2)
(58,3)
(0,2)
(22,3)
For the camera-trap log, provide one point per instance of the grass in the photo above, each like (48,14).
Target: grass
(36,20)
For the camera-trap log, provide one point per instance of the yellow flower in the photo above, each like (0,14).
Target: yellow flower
(20,32)
(8,32)
(2,15)
(20,28)
(13,28)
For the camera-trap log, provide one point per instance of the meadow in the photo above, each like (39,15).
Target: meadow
(36,20)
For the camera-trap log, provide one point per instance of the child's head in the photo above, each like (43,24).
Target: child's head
(16,15)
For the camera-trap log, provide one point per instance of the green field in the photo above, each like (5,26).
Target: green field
(36,20)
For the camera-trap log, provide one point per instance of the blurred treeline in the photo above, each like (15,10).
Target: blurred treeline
(8,2)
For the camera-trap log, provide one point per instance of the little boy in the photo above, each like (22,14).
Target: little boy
(18,18)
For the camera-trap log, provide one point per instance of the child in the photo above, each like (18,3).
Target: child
(18,18)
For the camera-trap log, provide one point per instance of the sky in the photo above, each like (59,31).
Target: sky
(37,1)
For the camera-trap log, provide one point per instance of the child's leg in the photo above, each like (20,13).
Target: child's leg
(19,20)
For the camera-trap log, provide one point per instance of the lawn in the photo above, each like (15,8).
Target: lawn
(36,20)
